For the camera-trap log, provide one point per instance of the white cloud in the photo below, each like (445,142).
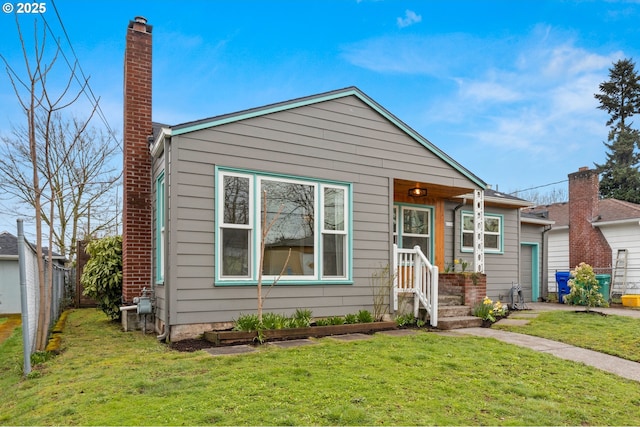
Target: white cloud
(410,18)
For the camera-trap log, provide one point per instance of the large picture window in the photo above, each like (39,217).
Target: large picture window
(305,225)
(492,232)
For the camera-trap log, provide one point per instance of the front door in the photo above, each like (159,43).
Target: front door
(530,271)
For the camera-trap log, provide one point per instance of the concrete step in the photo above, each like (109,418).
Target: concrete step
(453,310)
(458,322)
(447,300)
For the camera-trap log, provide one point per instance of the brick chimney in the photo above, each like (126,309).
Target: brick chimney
(586,242)
(136,213)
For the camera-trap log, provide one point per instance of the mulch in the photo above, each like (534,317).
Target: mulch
(191,345)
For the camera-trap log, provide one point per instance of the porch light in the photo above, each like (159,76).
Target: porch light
(417,192)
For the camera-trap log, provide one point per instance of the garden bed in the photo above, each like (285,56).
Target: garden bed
(221,338)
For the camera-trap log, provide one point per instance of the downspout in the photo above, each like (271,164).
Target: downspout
(165,252)
(545,288)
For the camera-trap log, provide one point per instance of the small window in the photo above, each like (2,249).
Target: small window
(492,232)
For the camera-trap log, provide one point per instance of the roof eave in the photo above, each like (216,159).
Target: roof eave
(632,221)
(537,221)
(328,96)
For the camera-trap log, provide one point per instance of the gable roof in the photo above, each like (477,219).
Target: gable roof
(9,247)
(610,211)
(8,244)
(310,100)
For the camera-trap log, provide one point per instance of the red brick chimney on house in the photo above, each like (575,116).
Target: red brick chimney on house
(586,242)
(136,213)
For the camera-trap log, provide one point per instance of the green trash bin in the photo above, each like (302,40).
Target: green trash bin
(604,281)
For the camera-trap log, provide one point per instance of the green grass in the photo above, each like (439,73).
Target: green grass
(615,335)
(107,377)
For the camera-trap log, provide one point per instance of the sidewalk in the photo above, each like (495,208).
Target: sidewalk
(615,365)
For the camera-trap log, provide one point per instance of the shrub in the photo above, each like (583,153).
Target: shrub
(301,318)
(275,321)
(585,289)
(350,318)
(364,316)
(102,275)
(404,320)
(489,310)
(247,322)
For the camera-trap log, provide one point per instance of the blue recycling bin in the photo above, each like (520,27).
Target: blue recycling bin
(562,279)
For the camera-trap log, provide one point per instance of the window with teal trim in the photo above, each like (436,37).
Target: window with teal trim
(160,228)
(301,226)
(412,227)
(492,232)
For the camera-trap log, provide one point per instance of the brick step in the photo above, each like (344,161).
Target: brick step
(458,322)
(453,311)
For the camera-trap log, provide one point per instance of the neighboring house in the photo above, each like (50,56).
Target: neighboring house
(343,180)
(589,229)
(10,274)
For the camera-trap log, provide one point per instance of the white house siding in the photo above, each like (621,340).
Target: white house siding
(343,139)
(10,302)
(557,255)
(626,236)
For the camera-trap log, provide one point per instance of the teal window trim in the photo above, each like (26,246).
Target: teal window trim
(160,229)
(500,234)
(398,224)
(255,224)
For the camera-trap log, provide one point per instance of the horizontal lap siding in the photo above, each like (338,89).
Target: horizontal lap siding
(557,255)
(626,236)
(503,269)
(343,140)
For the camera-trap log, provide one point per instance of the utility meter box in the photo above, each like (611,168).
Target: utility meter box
(144,305)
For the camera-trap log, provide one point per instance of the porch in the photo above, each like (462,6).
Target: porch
(446,300)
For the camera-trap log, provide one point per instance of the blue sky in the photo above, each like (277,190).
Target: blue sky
(505,87)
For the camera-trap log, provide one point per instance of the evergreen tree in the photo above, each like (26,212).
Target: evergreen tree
(620,98)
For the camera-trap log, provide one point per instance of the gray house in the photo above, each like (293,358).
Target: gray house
(332,183)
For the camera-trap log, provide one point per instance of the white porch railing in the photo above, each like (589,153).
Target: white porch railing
(416,275)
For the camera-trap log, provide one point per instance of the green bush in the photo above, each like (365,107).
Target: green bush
(247,323)
(102,275)
(301,318)
(365,316)
(585,289)
(350,318)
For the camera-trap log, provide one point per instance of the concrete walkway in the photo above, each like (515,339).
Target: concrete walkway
(615,365)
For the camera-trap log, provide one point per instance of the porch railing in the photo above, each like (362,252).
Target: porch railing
(414,274)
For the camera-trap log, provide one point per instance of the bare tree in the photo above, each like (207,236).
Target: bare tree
(40,106)
(80,178)
(538,198)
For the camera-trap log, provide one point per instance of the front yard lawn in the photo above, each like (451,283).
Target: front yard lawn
(106,377)
(615,335)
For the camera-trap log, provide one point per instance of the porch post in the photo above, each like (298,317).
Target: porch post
(478,234)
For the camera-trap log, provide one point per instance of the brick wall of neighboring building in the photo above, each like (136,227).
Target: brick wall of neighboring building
(136,214)
(587,243)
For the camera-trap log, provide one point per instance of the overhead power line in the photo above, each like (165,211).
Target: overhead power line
(539,186)
(84,84)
